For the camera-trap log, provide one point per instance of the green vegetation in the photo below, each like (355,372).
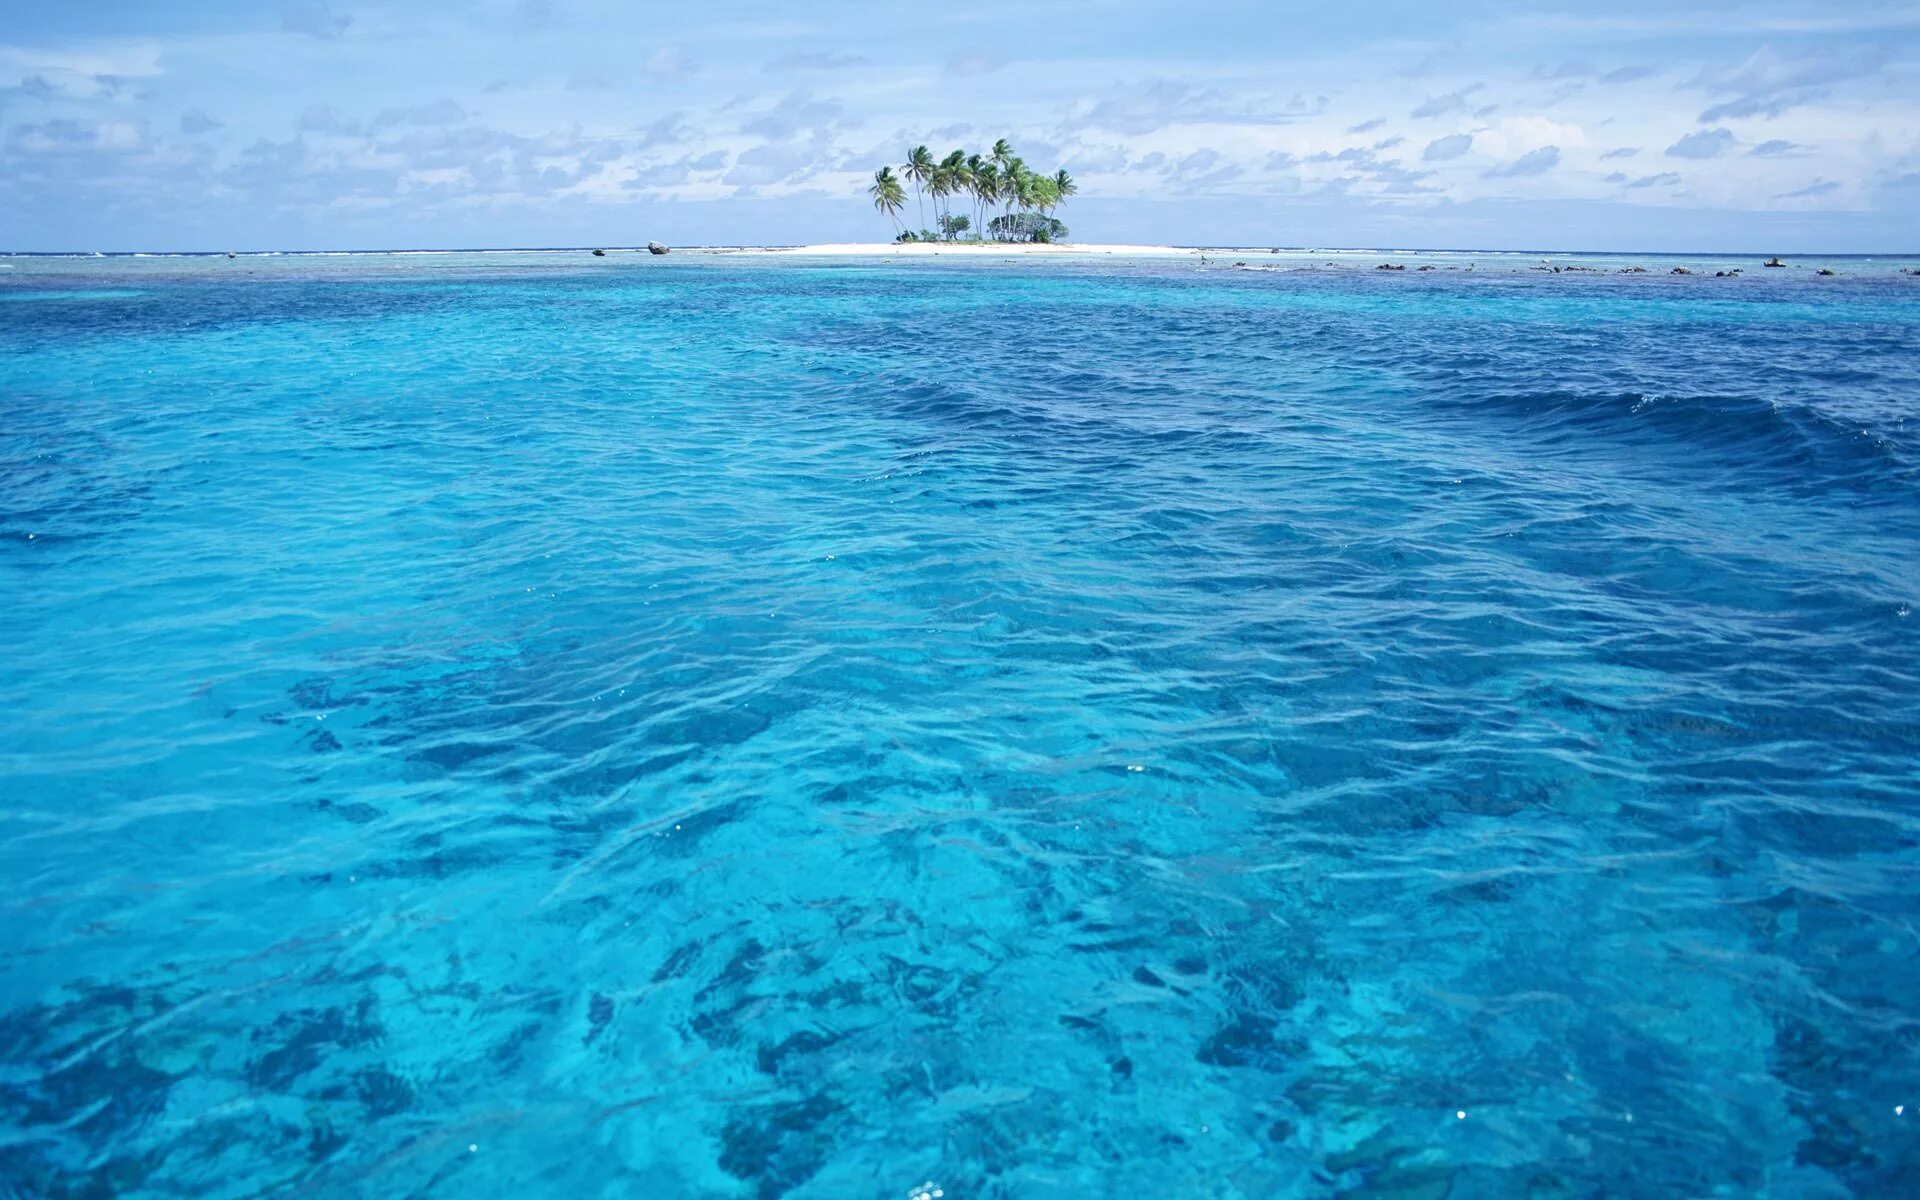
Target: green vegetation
(887,193)
(983,182)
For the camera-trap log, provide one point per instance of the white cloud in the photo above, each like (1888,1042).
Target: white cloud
(84,74)
(1819,187)
(1769,83)
(1448,102)
(315,20)
(668,64)
(1519,135)
(66,136)
(976,60)
(1143,124)
(1707,143)
(1534,162)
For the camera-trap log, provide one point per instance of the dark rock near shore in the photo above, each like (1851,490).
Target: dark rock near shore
(1826,271)
(655,248)
(599,253)
(1680,271)
(1773,262)
(1391,267)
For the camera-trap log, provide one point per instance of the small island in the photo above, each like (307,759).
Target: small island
(999,178)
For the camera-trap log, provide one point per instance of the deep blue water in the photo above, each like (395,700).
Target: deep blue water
(730,728)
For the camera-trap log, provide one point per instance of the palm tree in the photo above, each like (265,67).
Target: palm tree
(919,169)
(938,187)
(962,173)
(1016,186)
(998,177)
(1046,194)
(975,166)
(888,195)
(1002,157)
(986,188)
(951,175)
(1063,185)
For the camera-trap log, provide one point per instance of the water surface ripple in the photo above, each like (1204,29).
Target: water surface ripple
(752,729)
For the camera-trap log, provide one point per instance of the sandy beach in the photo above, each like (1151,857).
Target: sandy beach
(973,249)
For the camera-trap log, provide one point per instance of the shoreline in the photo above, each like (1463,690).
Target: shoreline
(969,249)
(19,270)
(1084,249)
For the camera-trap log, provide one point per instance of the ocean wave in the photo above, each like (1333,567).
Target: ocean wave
(773,723)
(1746,438)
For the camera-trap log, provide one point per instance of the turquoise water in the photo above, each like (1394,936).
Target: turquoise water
(497,726)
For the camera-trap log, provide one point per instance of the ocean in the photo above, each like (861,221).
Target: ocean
(719,726)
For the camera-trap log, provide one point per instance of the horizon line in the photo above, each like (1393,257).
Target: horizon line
(1269,247)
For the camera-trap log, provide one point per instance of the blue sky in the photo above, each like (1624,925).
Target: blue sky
(211,124)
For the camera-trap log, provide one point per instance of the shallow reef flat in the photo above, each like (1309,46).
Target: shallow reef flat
(755,726)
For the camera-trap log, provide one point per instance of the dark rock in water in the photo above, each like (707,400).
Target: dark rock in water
(1241,1042)
(599,253)
(353,811)
(1391,267)
(1428,267)
(1275,250)
(781,1146)
(1826,271)
(1633,270)
(383,1092)
(1680,271)
(1773,262)
(655,248)
(599,1012)
(231,254)
(1241,263)
(1147,977)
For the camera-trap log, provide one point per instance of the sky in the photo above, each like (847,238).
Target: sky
(343,124)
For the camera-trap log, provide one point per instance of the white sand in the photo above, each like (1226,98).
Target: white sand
(970,249)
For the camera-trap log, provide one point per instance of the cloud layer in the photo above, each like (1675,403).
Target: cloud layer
(521,122)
